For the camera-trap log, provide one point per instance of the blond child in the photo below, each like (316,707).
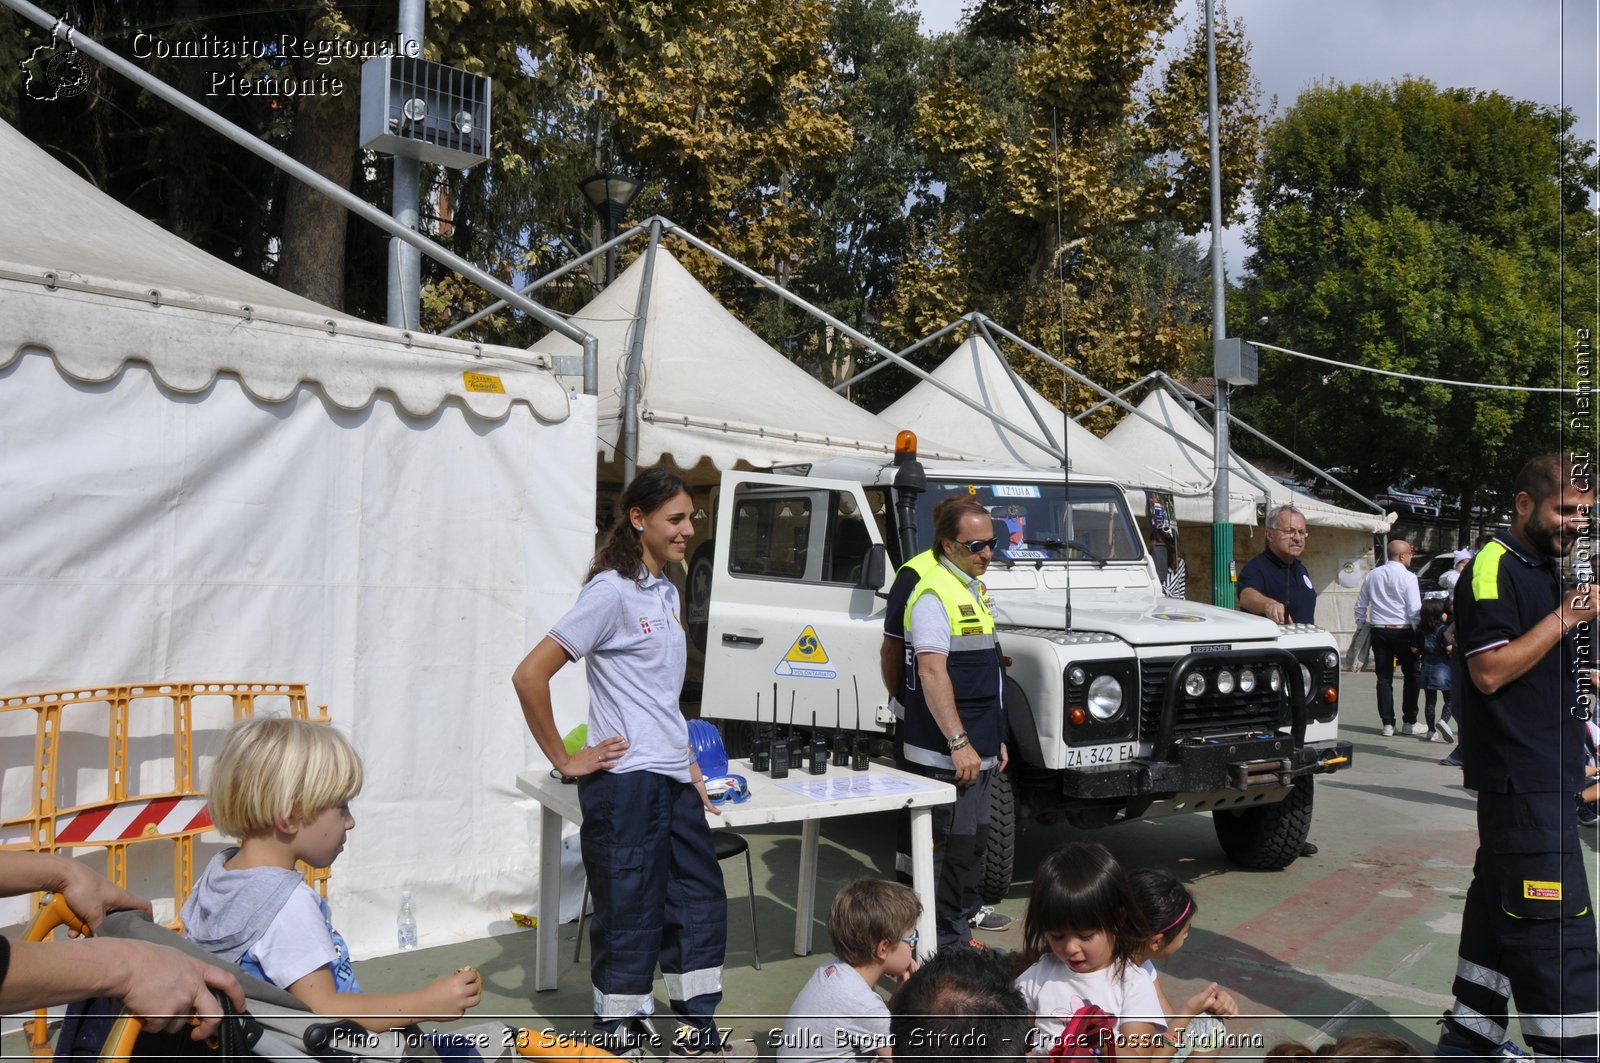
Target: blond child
(283,788)
(838,1014)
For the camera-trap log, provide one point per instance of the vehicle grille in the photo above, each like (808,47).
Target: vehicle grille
(1210,714)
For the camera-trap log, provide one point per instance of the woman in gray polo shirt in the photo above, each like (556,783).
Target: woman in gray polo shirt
(657,889)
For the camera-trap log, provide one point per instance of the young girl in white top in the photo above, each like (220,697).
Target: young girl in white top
(1169,910)
(1080,937)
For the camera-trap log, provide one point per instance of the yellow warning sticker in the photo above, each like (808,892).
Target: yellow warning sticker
(1535,890)
(807,649)
(806,659)
(484,383)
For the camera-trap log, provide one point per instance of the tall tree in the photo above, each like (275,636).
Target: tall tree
(1071,150)
(1420,231)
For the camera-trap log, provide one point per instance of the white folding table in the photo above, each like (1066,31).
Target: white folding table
(801,798)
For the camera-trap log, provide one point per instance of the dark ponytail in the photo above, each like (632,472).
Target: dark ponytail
(621,553)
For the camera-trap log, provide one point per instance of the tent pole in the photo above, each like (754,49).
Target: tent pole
(871,344)
(1187,392)
(1016,382)
(630,384)
(535,285)
(1110,397)
(300,172)
(1120,393)
(885,363)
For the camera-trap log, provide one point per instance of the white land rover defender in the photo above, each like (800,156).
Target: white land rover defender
(1122,703)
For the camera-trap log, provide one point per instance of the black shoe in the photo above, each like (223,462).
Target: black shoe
(1308,849)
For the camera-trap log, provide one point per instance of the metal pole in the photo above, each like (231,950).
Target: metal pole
(630,380)
(405,261)
(873,345)
(535,285)
(1221,526)
(300,172)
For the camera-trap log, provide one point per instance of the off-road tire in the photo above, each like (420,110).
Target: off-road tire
(1000,851)
(1267,837)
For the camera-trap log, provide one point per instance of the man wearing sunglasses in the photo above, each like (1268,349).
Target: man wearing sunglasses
(955,724)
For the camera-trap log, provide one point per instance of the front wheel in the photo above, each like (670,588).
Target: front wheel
(1267,837)
(1000,850)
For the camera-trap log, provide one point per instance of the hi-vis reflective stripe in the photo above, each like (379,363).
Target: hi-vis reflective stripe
(1486,572)
(134,819)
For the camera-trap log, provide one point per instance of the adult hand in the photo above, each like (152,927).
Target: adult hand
(602,756)
(967,764)
(1274,611)
(1004,757)
(1579,605)
(90,896)
(165,988)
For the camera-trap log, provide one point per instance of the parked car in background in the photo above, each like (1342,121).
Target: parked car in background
(1428,575)
(1413,499)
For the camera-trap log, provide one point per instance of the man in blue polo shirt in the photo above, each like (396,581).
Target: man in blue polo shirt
(1527,932)
(1275,583)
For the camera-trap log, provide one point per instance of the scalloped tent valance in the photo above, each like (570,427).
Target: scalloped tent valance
(98,286)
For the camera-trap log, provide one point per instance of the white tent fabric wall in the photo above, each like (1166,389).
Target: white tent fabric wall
(713,391)
(226,482)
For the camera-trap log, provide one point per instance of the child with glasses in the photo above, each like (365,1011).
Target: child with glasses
(838,1014)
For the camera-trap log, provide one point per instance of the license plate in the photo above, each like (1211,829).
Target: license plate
(1110,753)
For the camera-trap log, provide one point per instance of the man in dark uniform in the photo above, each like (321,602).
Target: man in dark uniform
(1275,583)
(1527,932)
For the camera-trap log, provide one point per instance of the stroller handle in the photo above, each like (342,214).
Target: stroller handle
(126,1030)
(56,913)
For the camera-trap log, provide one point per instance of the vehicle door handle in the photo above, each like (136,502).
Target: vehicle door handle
(743,640)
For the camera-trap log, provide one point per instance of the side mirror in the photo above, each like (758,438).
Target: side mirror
(876,567)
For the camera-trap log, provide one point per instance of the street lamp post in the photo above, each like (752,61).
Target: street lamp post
(610,194)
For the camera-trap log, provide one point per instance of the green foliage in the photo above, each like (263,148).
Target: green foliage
(1421,231)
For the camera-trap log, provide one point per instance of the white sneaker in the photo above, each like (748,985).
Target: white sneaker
(1388,730)
(1445,732)
(1416,729)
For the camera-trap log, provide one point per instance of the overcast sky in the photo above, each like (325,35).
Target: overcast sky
(1540,50)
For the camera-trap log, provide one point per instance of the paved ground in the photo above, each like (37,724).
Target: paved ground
(1360,937)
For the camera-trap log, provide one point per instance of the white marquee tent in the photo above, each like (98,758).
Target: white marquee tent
(1339,549)
(975,370)
(207,478)
(713,392)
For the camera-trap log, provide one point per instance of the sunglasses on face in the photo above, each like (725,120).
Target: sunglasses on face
(912,938)
(978,546)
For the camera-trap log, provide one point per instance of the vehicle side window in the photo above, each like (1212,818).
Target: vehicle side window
(848,542)
(771,535)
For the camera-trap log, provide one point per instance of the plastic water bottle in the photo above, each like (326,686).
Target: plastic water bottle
(406,923)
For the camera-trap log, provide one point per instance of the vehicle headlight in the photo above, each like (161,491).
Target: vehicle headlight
(1305,678)
(1330,659)
(1194,684)
(1077,676)
(1275,679)
(1247,681)
(1105,697)
(1224,682)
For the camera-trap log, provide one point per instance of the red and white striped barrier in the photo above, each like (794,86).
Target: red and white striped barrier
(134,819)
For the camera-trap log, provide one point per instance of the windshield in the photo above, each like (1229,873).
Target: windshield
(1044,521)
(1436,567)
